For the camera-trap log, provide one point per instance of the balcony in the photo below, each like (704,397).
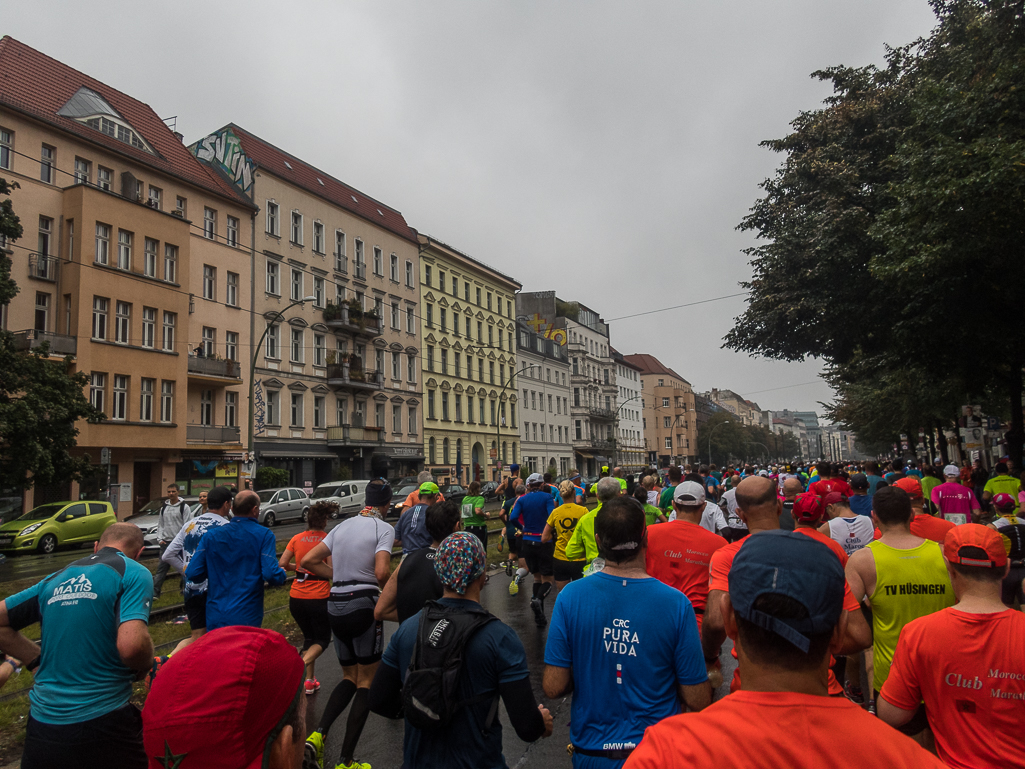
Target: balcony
(42,267)
(593,445)
(212,434)
(605,414)
(60,344)
(352,318)
(353,377)
(214,369)
(347,435)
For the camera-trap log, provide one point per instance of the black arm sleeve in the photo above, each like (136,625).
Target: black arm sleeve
(524,716)
(385,696)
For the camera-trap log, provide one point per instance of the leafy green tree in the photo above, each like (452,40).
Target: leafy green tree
(40,399)
(271,477)
(727,434)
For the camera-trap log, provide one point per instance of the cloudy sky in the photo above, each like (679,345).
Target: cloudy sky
(606,150)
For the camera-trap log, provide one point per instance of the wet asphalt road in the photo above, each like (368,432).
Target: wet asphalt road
(381,742)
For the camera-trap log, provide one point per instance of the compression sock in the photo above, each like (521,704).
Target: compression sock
(354,727)
(338,701)
(535,588)
(546,588)
(521,573)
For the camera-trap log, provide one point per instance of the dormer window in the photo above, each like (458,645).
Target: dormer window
(91,109)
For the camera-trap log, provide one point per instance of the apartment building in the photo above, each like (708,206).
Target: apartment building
(670,415)
(747,411)
(631,453)
(544,413)
(469,365)
(336,391)
(132,263)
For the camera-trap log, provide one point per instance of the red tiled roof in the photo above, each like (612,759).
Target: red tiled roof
(35,84)
(272,160)
(649,364)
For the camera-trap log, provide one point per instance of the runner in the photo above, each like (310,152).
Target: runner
(411,530)
(1002,483)
(560,526)
(922,525)
(852,532)
(174,512)
(930,480)
(829,482)
(360,552)
(414,581)
(1005,508)
(475,519)
(964,663)
(534,509)
(792,489)
(307,598)
(651,513)
(514,539)
(1013,586)
(183,547)
(651,498)
(413,498)
(860,500)
(736,528)
(665,501)
(955,502)
(693,493)
(582,543)
(904,577)
(785,611)
(873,477)
(625,644)
(578,483)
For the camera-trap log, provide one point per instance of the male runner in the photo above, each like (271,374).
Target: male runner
(955,502)
(533,509)
(922,525)
(411,530)
(582,543)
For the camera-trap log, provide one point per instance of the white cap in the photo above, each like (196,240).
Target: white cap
(950,471)
(689,493)
(535,478)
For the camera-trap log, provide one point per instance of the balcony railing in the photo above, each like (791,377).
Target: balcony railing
(601,413)
(346,435)
(589,444)
(361,270)
(346,317)
(229,369)
(60,344)
(344,375)
(42,267)
(212,434)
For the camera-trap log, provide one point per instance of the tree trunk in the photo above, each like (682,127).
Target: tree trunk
(1016,434)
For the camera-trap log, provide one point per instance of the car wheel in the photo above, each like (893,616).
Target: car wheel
(268,520)
(306,512)
(48,543)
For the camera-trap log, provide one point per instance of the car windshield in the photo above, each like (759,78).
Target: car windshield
(42,512)
(265,496)
(325,491)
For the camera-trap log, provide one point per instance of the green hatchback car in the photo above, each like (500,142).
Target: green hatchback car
(47,527)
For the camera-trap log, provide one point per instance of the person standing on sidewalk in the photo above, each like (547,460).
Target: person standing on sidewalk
(174,512)
(95,643)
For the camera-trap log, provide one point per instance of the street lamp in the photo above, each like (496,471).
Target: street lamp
(768,454)
(711,433)
(252,369)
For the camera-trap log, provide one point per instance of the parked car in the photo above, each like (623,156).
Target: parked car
(149,516)
(283,504)
(487,490)
(47,527)
(351,496)
(408,480)
(398,497)
(453,492)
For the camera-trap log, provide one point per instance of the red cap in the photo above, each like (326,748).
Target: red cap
(911,485)
(832,498)
(971,544)
(808,508)
(215,703)
(1003,502)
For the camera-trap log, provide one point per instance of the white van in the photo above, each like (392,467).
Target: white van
(351,496)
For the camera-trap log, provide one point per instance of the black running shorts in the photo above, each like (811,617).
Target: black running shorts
(567,571)
(539,556)
(311,616)
(359,638)
(195,610)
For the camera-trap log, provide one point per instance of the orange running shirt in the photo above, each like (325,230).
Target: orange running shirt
(969,669)
(678,554)
(768,730)
(825,539)
(300,545)
(719,579)
(927,527)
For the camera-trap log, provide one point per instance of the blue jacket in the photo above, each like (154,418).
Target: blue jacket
(533,510)
(236,559)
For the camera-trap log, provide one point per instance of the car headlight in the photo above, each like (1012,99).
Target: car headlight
(29,529)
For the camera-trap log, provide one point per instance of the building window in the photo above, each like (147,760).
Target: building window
(297,410)
(272,407)
(97,391)
(100,309)
(482,417)
(123,323)
(149,325)
(297,285)
(318,237)
(209,282)
(441,319)
(665,403)
(459,407)
(231,408)
(409,274)
(42,311)
(430,404)
(209,223)
(149,258)
(170,320)
(431,450)
(170,263)
(231,296)
(156,199)
(166,401)
(231,345)
(270,349)
(468,333)
(102,243)
(180,206)
(319,350)
(378,262)
(361,265)
(427,275)
(119,402)
(410,319)
(669,443)
(430,358)
(411,368)
(394,274)
(395,315)
(124,250)
(318,412)
(340,265)
(83,171)
(429,320)
(413,429)
(297,345)
(441,281)
(396,419)
(297,228)
(273,278)
(318,292)
(478,297)
(209,343)
(273,220)
(146,388)
(104,178)
(206,408)
(47,164)
(489,301)
(379,415)
(341,406)
(232,231)
(6,149)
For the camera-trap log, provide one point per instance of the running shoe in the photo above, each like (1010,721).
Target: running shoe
(354,765)
(854,694)
(181,619)
(539,612)
(514,586)
(312,685)
(872,707)
(316,741)
(508,568)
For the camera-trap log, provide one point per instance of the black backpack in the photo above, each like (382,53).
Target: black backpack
(430,691)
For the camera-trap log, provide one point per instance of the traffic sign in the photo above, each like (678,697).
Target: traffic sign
(104,456)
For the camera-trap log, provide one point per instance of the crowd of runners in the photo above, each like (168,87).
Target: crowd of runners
(875,615)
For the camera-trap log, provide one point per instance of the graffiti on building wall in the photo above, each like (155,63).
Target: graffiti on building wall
(223,149)
(546,329)
(260,409)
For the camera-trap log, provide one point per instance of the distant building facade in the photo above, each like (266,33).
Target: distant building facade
(670,412)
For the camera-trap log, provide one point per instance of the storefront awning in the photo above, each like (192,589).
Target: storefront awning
(297,455)
(585,455)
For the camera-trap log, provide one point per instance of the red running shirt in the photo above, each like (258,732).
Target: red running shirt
(679,553)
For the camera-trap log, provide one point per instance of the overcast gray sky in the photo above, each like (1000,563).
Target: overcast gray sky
(606,150)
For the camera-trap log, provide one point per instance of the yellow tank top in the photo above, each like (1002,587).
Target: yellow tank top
(909,585)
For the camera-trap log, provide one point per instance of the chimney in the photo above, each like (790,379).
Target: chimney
(180,136)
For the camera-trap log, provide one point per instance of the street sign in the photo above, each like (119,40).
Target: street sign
(104,456)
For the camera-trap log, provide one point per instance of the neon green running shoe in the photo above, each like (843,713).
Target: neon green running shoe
(316,741)
(354,765)
(514,586)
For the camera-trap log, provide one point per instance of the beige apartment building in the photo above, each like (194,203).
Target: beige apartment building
(469,362)
(337,389)
(132,263)
(670,419)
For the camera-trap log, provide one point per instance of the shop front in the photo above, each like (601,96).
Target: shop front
(200,471)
